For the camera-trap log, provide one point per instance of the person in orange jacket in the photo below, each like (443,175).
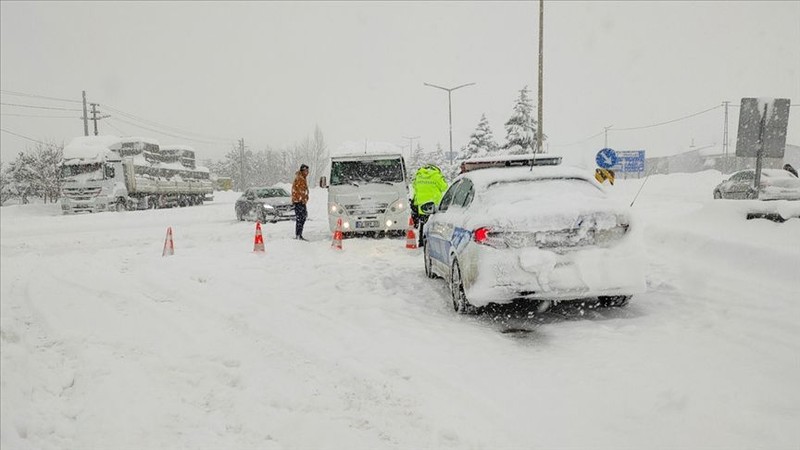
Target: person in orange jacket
(299,200)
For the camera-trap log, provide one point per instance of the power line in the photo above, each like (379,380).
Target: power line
(166,127)
(581,141)
(164,133)
(40,117)
(122,133)
(669,121)
(29,138)
(39,107)
(22,94)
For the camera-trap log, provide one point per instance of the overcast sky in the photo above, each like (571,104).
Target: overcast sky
(270,72)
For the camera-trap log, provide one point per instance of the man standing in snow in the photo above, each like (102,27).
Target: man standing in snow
(299,200)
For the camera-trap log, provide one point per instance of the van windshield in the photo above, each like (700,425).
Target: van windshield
(366,171)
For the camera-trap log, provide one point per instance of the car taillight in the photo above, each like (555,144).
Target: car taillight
(481,235)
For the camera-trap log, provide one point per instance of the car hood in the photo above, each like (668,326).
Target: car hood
(366,198)
(556,214)
(277,201)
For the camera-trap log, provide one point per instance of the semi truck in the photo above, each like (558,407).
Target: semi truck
(369,193)
(109,173)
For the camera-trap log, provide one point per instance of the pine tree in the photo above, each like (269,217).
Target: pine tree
(521,127)
(481,141)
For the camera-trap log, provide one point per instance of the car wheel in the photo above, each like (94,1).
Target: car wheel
(615,301)
(460,302)
(120,207)
(427,257)
(717,195)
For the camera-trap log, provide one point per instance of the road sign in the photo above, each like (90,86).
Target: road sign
(630,161)
(762,127)
(606,158)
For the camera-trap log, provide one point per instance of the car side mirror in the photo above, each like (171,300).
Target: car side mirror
(323,182)
(428,208)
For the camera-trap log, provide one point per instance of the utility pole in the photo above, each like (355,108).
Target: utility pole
(410,145)
(241,164)
(95,118)
(725,131)
(449,110)
(541,77)
(85,117)
(605,144)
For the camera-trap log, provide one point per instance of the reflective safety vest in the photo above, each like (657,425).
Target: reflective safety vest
(429,186)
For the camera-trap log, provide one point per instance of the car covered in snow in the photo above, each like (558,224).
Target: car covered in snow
(265,204)
(775,184)
(548,233)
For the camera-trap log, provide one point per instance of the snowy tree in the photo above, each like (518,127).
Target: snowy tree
(417,159)
(521,127)
(46,168)
(20,172)
(5,184)
(481,141)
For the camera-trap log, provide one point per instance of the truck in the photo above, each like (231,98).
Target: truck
(368,193)
(109,173)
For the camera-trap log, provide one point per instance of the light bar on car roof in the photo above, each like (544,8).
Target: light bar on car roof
(509,161)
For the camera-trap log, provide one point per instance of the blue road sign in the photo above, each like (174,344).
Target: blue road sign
(606,158)
(630,161)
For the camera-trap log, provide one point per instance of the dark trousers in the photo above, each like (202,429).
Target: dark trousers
(301,213)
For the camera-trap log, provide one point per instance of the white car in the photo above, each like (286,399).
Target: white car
(775,184)
(552,233)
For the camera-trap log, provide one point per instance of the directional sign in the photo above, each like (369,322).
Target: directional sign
(606,158)
(630,161)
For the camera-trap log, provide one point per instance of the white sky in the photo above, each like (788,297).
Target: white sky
(268,72)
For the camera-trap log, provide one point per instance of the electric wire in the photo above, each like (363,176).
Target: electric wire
(122,133)
(29,138)
(22,94)
(40,117)
(164,133)
(667,122)
(166,127)
(40,107)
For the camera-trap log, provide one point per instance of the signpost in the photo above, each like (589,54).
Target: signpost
(762,130)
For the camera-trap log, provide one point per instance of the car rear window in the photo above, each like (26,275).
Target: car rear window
(548,188)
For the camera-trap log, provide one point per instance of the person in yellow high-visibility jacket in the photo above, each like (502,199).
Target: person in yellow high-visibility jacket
(429,186)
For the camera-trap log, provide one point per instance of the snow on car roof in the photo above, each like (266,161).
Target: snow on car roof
(777,173)
(367,156)
(484,177)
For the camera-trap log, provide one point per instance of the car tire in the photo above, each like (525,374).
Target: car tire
(427,259)
(614,301)
(460,302)
(717,195)
(120,206)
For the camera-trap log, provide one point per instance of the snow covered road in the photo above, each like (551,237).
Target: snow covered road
(105,344)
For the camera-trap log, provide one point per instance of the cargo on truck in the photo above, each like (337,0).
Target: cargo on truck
(110,173)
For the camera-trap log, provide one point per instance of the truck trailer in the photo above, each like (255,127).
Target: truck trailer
(109,173)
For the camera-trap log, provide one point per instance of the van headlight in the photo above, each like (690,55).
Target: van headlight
(398,206)
(268,206)
(336,209)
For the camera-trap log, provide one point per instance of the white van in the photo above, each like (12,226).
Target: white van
(369,193)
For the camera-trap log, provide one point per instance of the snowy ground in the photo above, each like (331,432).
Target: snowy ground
(107,345)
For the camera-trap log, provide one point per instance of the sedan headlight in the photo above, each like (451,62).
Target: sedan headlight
(268,206)
(336,209)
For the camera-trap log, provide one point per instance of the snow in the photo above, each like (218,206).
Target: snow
(105,344)
(89,148)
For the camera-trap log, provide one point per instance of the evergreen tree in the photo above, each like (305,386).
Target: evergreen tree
(481,141)
(417,159)
(521,127)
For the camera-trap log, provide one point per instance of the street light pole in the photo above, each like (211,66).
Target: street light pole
(410,145)
(606,133)
(449,109)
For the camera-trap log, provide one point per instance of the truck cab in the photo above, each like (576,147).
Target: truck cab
(93,176)
(369,193)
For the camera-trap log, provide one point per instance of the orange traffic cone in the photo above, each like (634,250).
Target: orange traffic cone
(337,236)
(411,238)
(258,246)
(169,246)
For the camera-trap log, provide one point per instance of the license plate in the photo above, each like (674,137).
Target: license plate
(367,224)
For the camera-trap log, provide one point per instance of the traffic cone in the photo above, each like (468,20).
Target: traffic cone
(169,246)
(411,237)
(337,236)
(258,246)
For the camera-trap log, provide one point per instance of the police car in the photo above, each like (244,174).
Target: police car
(518,228)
